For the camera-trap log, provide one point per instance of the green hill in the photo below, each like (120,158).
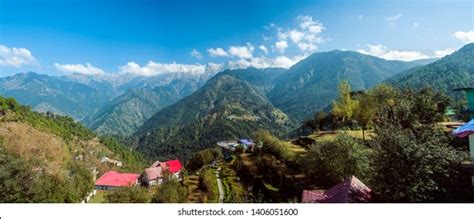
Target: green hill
(50,158)
(311,84)
(130,110)
(225,108)
(453,71)
(47,93)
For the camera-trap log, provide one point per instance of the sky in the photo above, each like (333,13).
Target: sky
(149,37)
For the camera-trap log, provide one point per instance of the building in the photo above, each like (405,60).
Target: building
(112,179)
(351,190)
(155,173)
(111,161)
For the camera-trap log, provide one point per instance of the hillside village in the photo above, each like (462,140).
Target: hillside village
(397,140)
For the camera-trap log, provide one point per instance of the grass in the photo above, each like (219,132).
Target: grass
(233,190)
(330,135)
(99,197)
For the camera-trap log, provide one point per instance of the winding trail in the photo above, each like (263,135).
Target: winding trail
(219,186)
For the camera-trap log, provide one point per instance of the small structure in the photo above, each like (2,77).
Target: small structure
(470,100)
(468,128)
(155,173)
(246,144)
(112,161)
(229,145)
(111,180)
(351,190)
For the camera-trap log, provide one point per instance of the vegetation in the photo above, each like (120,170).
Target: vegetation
(20,183)
(274,146)
(208,183)
(453,71)
(134,161)
(170,191)
(204,157)
(43,155)
(330,162)
(58,95)
(128,195)
(308,86)
(127,112)
(225,108)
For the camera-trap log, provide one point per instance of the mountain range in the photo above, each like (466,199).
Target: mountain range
(174,115)
(311,84)
(227,107)
(450,72)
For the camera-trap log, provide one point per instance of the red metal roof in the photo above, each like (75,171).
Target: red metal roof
(351,190)
(113,178)
(153,173)
(174,165)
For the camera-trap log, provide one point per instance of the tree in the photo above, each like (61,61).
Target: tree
(170,191)
(204,157)
(15,179)
(128,195)
(331,161)
(414,165)
(344,106)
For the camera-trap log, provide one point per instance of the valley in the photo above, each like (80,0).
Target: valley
(334,117)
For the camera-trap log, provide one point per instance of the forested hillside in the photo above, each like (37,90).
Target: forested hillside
(225,108)
(310,85)
(50,158)
(453,71)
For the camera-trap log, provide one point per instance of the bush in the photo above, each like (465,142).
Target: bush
(128,195)
(207,182)
(275,146)
(204,157)
(170,191)
(329,162)
(414,165)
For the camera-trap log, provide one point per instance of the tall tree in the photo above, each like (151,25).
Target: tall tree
(344,106)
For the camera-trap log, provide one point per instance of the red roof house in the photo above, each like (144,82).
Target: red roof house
(113,179)
(351,190)
(154,174)
(173,166)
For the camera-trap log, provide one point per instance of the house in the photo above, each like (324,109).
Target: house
(351,190)
(246,144)
(467,130)
(112,179)
(155,173)
(111,161)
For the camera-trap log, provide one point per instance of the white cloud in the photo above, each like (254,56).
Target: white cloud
(243,52)
(16,57)
(306,38)
(394,18)
(265,62)
(153,68)
(465,36)
(383,52)
(281,46)
(264,49)
(307,23)
(296,36)
(86,69)
(443,52)
(217,52)
(196,54)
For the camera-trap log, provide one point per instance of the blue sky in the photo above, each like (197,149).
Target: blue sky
(150,37)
